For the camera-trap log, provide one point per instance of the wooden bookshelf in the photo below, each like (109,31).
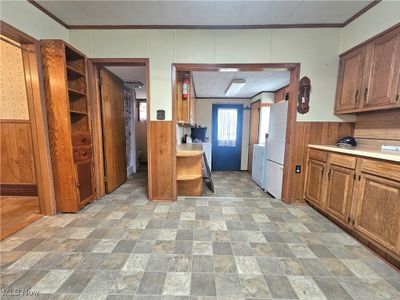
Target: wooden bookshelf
(64,72)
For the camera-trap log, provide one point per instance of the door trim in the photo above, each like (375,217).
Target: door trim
(38,117)
(95,115)
(239,132)
(290,179)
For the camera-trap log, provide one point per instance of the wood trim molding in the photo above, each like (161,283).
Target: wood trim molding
(45,11)
(361,12)
(15,121)
(211,27)
(7,189)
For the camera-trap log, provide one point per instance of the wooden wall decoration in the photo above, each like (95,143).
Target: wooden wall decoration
(303,98)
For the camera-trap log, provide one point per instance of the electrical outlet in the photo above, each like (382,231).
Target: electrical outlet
(298,169)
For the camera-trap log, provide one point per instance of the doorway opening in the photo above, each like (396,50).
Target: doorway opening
(236,105)
(120,116)
(25,190)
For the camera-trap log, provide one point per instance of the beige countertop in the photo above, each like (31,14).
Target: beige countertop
(361,151)
(189,150)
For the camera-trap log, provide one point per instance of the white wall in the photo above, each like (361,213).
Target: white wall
(204,119)
(315,49)
(381,17)
(264,97)
(27,18)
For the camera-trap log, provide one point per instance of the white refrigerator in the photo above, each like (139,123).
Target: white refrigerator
(275,149)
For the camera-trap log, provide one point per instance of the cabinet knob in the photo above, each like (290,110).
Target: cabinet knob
(83,139)
(356,96)
(365,94)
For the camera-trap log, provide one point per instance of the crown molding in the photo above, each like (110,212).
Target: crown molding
(210,27)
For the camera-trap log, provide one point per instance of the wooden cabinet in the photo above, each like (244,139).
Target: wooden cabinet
(185,108)
(64,73)
(315,181)
(381,75)
(378,211)
(339,192)
(359,193)
(349,82)
(189,174)
(368,77)
(282,94)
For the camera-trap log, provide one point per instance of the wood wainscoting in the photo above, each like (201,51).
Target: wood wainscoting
(161,160)
(324,133)
(378,125)
(18,164)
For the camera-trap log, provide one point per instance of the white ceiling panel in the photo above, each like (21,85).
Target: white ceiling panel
(131,74)
(205,13)
(214,84)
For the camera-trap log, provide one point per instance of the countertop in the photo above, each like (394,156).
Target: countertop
(185,150)
(364,151)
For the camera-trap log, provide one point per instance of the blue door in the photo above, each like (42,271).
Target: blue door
(226,136)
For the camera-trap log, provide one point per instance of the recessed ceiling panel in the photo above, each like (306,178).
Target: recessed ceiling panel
(215,84)
(131,74)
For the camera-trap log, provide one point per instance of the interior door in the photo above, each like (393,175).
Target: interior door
(382,70)
(254,127)
(227,137)
(114,145)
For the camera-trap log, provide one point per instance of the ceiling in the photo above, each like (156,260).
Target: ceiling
(131,74)
(202,13)
(214,84)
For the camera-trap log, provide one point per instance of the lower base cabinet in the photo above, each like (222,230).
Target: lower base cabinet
(378,211)
(339,192)
(360,193)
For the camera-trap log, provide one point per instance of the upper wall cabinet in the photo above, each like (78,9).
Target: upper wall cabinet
(349,82)
(368,76)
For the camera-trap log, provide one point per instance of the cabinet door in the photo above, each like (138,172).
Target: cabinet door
(378,211)
(349,80)
(381,73)
(85,180)
(315,181)
(339,192)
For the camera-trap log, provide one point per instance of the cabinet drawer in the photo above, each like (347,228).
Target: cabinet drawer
(381,168)
(81,138)
(318,155)
(343,160)
(82,153)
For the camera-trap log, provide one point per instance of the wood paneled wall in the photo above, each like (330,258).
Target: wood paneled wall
(17,162)
(324,133)
(161,160)
(378,125)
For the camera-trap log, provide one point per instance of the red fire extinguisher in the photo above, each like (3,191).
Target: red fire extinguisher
(185,87)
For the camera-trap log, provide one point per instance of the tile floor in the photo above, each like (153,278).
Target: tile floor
(242,245)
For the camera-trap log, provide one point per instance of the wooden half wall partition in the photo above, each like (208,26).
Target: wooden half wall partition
(304,133)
